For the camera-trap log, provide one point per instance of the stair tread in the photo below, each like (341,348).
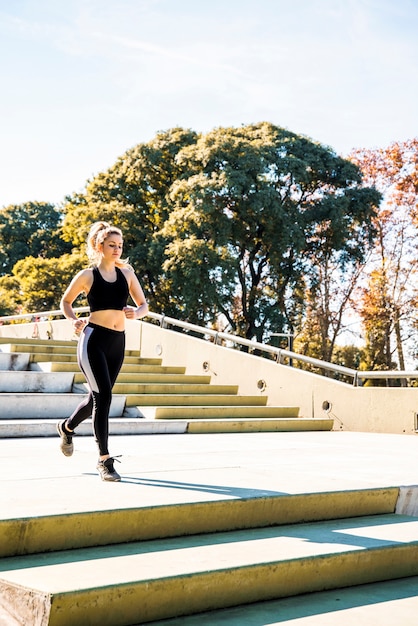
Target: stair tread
(142,561)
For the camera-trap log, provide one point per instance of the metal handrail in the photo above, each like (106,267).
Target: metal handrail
(280,353)
(46,314)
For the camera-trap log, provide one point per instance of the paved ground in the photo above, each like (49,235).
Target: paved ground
(36,479)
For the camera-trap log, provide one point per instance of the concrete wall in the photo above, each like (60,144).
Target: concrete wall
(366,409)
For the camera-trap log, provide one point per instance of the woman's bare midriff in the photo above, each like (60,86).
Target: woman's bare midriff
(109,319)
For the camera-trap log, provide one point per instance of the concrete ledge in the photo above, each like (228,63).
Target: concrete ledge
(46,405)
(13,362)
(36,382)
(95,528)
(16,429)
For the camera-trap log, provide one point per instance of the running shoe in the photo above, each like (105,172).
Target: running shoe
(107,471)
(67,446)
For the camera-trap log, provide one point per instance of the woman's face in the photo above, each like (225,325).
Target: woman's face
(112,247)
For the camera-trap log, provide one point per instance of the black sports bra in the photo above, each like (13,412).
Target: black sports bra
(104,295)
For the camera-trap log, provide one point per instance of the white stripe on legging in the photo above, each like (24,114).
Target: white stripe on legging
(84,359)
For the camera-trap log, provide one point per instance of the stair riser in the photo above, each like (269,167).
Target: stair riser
(142,378)
(50,533)
(216,412)
(193,400)
(267,424)
(48,405)
(13,362)
(46,427)
(43,349)
(36,382)
(131,370)
(149,388)
(122,605)
(47,348)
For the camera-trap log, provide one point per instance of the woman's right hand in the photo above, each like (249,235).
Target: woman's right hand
(78,325)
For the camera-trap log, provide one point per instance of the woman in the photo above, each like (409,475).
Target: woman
(108,284)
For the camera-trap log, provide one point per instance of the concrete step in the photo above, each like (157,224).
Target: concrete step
(45,427)
(102,527)
(45,405)
(50,347)
(216,412)
(36,382)
(35,348)
(253,425)
(142,581)
(178,399)
(47,356)
(148,378)
(27,341)
(174,388)
(144,366)
(15,362)
(40,357)
(72,358)
(388,603)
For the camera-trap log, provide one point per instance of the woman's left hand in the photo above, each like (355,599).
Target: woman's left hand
(130,312)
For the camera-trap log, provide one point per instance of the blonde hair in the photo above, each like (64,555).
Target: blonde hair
(97,235)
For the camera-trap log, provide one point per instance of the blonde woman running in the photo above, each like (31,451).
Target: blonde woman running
(101,348)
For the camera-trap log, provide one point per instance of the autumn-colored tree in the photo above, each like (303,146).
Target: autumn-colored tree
(387,303)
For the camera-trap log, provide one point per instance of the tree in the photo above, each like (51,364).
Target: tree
(388,300)
(10,296)
(32,227)
(42,281)
(134,196)
(258,206)
(226,228)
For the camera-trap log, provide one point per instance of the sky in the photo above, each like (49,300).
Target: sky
(82,81)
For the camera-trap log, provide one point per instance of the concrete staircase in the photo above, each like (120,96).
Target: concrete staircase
(137,566)
(40,381)
(186,539)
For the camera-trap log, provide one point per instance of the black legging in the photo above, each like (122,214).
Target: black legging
(100,356)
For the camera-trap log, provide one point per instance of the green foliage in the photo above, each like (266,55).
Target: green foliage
(42,281)
(29,228)
(134,195)
(265,202)
(226,229)
(10,296)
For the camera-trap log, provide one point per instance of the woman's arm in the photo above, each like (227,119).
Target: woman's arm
(138,297)
(80,283)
